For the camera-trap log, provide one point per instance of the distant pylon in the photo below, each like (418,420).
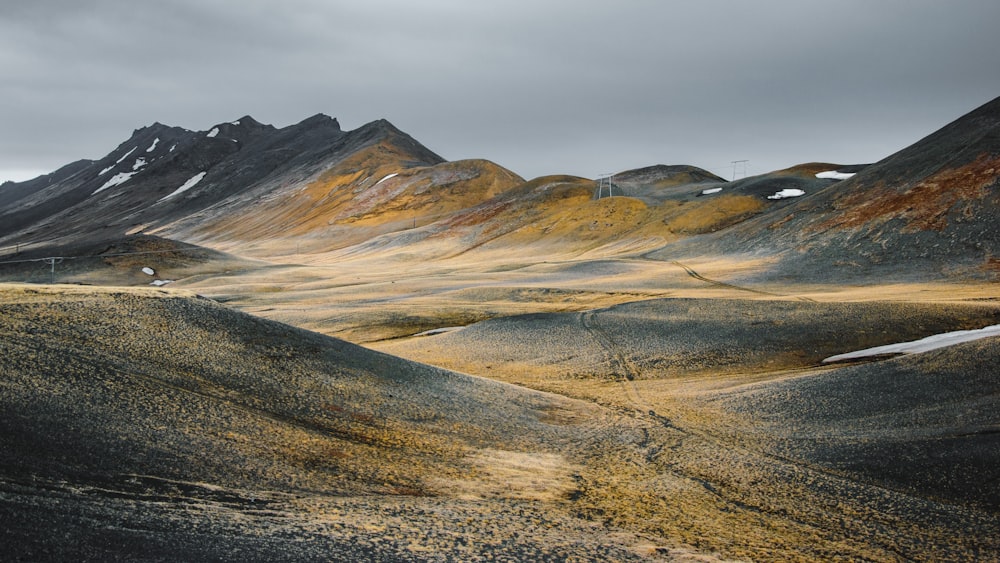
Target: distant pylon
(52,261)
(600,183)
(744,163)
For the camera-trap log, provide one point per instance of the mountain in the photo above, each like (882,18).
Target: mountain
(927,211)
(163,174)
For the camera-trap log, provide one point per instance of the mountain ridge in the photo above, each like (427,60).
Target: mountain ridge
(148,169)
(242,182)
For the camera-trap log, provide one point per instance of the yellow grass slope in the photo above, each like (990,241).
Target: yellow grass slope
(374,191)
(558,217)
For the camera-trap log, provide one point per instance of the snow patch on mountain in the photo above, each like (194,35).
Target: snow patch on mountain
(117,162)
(115,180)
(711,191)
(192,182)
(834,175)
(139,163)
(923,345)
(213,132)
(386,177)
(786,193)
(153,146)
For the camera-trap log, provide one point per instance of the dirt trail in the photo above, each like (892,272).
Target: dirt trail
(619,361)
(694,274)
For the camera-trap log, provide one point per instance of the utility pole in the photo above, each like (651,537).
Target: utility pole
(52,261)
(744,163)
(600,183)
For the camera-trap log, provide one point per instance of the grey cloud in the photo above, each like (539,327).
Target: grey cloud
(538,86)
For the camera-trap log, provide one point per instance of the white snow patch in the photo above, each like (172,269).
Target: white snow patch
(139,163)
(148,271)
(235,123)
(124,156)
(119,178)
(117,162)
(441,330)
(386,177)
(153,146)
(834,175)
(213,132)
(192,182)
(787,192)
(172,147)
(711,191)
(923,345)
(160,283)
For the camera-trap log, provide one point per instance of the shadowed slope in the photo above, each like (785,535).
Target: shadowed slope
(138,422)
(126,261)
(670,338)
(925,423)
(120,349)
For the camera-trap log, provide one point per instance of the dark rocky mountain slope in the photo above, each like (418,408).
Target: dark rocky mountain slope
(931,210)
(162,174)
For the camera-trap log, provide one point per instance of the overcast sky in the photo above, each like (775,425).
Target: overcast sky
(538,86)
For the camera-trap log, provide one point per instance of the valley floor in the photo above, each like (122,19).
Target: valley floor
(692,419)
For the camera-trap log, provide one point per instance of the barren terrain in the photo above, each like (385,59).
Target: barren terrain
(684,413)
(356,350)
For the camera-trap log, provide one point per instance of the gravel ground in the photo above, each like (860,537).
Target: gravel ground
(147,425)
(151,425)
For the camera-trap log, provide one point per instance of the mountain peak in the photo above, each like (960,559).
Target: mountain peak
(320,119)
(154,128)
(247,120)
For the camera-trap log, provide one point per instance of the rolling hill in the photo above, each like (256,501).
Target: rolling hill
(146,424)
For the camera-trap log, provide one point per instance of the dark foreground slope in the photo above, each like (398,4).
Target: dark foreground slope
(927,424)
(137,424)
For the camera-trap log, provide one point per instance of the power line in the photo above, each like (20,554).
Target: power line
(744,163)
(52,262)
(600,183)
(47,259)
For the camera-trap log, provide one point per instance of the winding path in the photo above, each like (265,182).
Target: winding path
(623,367)
(691,272)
